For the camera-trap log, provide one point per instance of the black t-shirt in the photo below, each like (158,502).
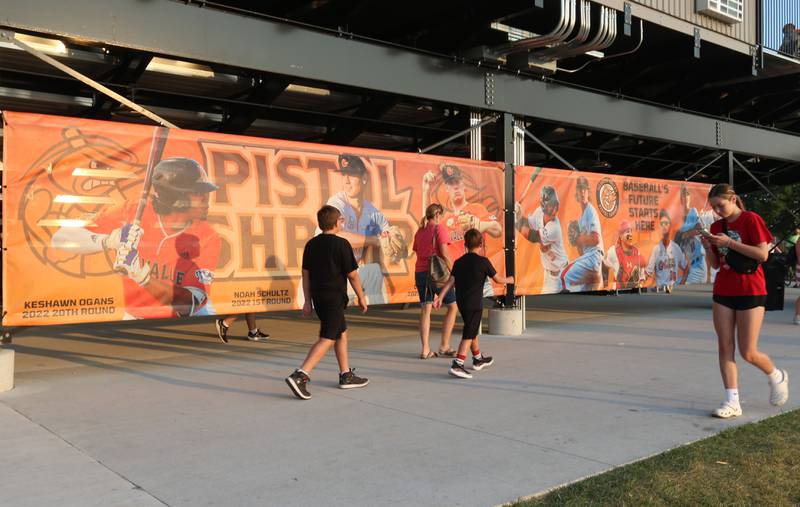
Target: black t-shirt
(470,272)
(329,259)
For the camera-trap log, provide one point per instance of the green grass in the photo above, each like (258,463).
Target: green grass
(752,465)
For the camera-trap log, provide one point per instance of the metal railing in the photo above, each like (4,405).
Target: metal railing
(779,25)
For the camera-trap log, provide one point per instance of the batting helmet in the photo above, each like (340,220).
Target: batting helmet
(549,200)
(582,183)
(174,178)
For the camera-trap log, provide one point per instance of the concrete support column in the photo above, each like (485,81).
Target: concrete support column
(6,370)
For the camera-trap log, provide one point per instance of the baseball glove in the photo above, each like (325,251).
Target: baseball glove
(467,221)
(635,278)
(393,245)
(573,231)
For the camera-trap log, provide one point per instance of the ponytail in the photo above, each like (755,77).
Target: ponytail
(430,213)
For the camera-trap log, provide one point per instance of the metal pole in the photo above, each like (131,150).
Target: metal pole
(475,146)
(505,149)
(445,141)
(704,167)
(9,36)
(519,159)
(730,167)
(539,141)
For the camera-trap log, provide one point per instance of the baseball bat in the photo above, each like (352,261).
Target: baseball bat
(535,175)
(156,150)
(125,255)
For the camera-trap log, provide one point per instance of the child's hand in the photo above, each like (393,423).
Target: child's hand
(307,309)
(437,302)
(510,279)
(363,305)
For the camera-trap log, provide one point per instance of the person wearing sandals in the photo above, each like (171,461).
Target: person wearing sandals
(739,297)
(468,276)
(430,239)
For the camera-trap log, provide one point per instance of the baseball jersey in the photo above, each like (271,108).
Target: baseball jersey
(589,223)
(750,229)
(454,233)
(370,223)
(623,264)
(186,258)
(692,246)
(666,261)
(554,257)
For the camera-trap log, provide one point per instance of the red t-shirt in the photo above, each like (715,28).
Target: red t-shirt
(749,229)
(423,245)
(186,258)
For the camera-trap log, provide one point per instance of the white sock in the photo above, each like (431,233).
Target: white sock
(253,331)
(732,397)
(478,356)
(776,377)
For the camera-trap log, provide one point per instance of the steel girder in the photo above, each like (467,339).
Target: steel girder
(208,35)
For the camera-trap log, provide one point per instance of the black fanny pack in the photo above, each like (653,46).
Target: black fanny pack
(737,261)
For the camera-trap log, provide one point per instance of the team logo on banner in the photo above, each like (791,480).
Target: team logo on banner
(607,197)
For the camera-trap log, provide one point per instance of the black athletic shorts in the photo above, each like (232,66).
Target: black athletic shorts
(472,323)
(330,310)
(741,302)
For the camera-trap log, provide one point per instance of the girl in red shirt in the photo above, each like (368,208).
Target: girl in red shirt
(431,233)
(739,298)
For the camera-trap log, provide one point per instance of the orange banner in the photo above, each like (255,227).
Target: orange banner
(580,231)
(222,224)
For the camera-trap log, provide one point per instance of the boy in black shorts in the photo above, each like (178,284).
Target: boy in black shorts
(328,264)
(468,275)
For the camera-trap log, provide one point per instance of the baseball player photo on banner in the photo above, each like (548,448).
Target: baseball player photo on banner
(128,221)
(579,232)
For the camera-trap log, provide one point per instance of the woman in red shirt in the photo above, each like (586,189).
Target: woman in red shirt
(432,237)
(739,298)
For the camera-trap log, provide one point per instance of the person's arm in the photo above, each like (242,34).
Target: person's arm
(360,240)
(307,293)
(491,227)
(355,282)
(589,239)
(503,280)
(78,240)
(437,301)
(443,252)
(711,252)
(759,252)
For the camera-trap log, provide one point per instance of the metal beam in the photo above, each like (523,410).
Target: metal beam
(205,34)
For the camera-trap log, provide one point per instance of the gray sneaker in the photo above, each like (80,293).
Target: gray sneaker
(349,380)
(779,393)
(458,370)
(297,382)
(222,330)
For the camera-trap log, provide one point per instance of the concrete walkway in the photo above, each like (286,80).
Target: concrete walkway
(161,413)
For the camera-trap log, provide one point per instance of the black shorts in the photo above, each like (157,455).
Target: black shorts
(472,323)
(740,302)
(330,310)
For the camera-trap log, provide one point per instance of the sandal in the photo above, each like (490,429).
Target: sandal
(431,354)
(726,411)
(447,353)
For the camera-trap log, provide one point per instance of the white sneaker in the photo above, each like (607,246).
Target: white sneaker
(779,393)
(797,320)
(727,410)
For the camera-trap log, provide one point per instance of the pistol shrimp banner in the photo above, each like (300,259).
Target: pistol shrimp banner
(109,221)
(579,231)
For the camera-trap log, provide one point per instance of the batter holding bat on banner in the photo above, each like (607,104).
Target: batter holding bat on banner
(162,245)
(543,227)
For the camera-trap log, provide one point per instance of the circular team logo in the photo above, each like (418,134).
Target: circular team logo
(607,197)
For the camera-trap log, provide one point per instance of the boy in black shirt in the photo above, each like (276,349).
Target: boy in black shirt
(468,275)
(328,264)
